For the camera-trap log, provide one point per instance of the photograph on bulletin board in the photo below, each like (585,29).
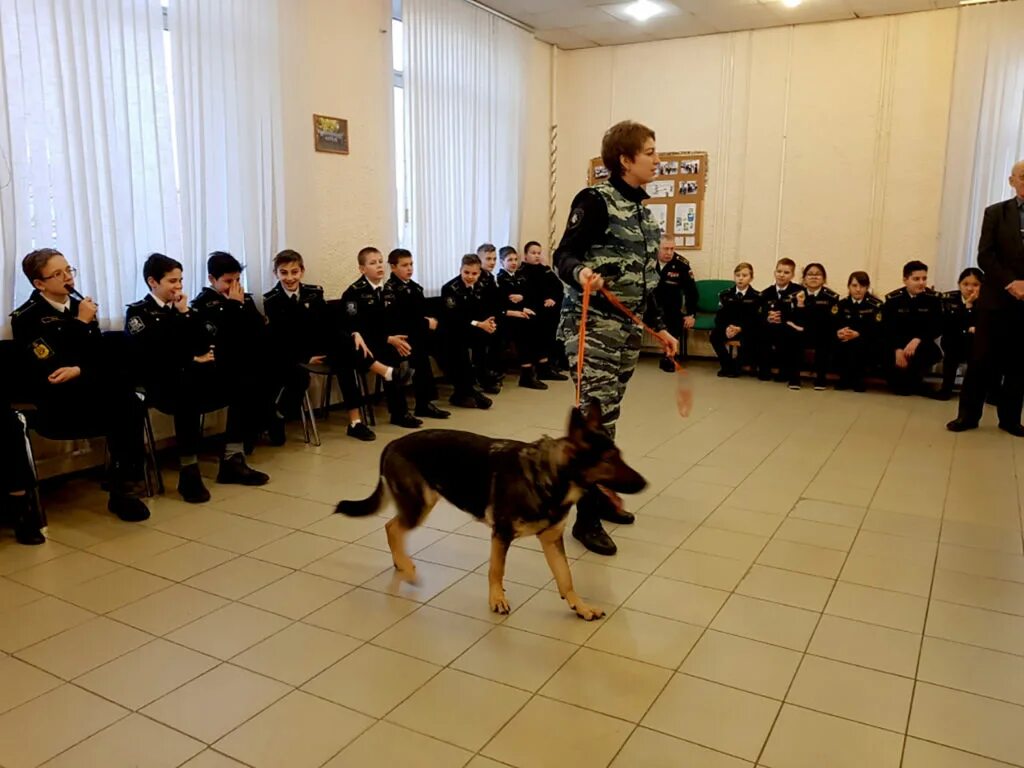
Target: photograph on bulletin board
(676,196)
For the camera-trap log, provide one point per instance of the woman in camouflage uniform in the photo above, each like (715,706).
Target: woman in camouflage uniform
(611,239)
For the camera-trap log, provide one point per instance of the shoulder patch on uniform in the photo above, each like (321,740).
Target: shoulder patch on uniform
(449,301)
(41,350)
(136,325)
(575,218)
(893,294)
(352,308)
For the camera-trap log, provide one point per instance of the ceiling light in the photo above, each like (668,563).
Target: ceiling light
(791,3)
(642,10)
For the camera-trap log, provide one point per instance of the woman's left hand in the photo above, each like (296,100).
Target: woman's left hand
(671,343)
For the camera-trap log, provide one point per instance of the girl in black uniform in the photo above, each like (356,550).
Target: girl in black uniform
(858,324)
(818,320)
(958,321)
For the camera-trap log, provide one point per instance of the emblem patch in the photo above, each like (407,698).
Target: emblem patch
(352,308)
(135,325)
(835,309)
(575,218)
(449,301)
(41,350)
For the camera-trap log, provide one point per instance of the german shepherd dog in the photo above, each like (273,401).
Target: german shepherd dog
(517,488)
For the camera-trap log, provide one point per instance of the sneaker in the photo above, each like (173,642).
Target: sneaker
(190,485)
(235,471)
(361,432)
(431,411)
(406,420)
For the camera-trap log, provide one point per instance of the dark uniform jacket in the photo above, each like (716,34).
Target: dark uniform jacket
(1001,253)
(734,309)
(775,300)
(366,312)
(235,328)
(677,288)
(490,294)
(541,284)
(299,326)
(52,339)
(165,341)
(817,318)
(906,317)
(406,308)
(957,319)
(864,317)
(462,305)
(510,283)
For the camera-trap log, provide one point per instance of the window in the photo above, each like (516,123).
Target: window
(398,94)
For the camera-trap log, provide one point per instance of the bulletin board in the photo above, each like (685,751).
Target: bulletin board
(676,195)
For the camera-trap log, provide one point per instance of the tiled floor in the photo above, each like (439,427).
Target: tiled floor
(815,580)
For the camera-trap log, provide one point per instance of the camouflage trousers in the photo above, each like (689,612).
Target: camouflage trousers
(609,359)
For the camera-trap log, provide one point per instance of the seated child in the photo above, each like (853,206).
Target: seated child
(187,370)
(958,323)
(781,320)
(738,319)
(519,327)
(367,324)
(817,329)
(467,327)
(911,321)
(545,292)
(74,379)
(858,326)
(408,319)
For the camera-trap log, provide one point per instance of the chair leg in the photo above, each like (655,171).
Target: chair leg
(37,499)
(308,406)
(325,400)
(304,416)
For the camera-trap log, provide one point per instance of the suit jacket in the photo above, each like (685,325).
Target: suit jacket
(1001,255)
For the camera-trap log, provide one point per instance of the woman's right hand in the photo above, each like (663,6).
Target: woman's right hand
(588,275)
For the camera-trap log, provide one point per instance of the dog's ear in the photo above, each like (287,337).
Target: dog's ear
(594,415)
(577,425)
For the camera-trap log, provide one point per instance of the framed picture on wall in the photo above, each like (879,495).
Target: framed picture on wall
(330,134)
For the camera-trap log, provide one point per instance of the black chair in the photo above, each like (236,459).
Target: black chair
(14,394)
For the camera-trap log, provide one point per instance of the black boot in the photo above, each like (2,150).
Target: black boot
(528,379)
(235,471)
(26,523)
(128,507)
(431,411)
(594,537)
(547,372)
(608,506)
(190,485)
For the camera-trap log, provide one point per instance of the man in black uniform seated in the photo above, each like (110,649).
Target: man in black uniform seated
(911,321)
(738,320)
(467,326)
(782,312)
(545,296)
(366,315)
(488,365)
(518,319)
(187,371)
(75,380)
(676,295)
(858,325)
(299,332)
(406,310)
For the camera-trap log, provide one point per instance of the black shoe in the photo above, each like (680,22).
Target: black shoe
(667,365)
(795,385)
(961,425)
(528,379)
(820,385)
(547,372)
(1017,430)
(128,507)
(764,377)
(235,471)
(406,420)
(483,402)
(860,386)
(492,387)
(600,504)
(361,432)
(431,411)
(943,395)
(190,485)
(842,386)
(595,538)
(275,432)
(463,401)
(26,529)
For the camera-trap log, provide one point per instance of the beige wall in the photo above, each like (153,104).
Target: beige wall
(826,141)
(536,147)
(336,60)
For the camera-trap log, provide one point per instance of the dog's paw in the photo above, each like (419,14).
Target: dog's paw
(407,574)
(498,602)
(586,612)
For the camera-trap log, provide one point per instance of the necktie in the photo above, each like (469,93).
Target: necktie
(295,298)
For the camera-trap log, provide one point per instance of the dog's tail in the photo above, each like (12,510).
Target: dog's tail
(363,507)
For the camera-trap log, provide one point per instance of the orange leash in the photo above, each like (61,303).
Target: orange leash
(685,396)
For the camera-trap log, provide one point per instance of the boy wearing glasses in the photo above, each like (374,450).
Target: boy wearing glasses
(75,379)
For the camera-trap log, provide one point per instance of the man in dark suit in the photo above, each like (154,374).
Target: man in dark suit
(999,339)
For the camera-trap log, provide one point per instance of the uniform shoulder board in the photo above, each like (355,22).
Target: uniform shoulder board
(137,304)
(893,294)
(314,288)
(25,308)
(951,294)
(829,292)
(270,294)
(723,294)
(873,300)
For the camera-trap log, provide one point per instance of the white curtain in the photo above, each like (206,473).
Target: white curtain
(227,100)
(86,162)
(986,128)
(465,81)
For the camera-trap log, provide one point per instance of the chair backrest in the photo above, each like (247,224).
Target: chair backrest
(707,293)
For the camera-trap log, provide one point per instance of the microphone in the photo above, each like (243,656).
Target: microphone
(76,295)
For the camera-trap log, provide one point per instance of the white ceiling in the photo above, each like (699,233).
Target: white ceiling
(589,23)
